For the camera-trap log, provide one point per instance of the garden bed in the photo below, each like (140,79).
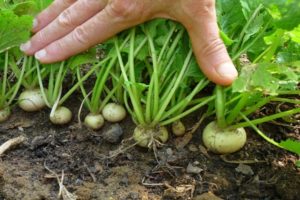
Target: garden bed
(258,171)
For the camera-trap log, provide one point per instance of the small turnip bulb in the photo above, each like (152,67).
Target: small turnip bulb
(223,141)
(143,135)
(94,121)
(113,112)
(4,114)
(178,128)
(31,100)
(61,115)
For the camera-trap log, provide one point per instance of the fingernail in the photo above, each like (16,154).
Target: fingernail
(26,46)
(40,54)
(35,23)
(227,70)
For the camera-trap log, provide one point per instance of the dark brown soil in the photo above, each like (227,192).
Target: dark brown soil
(258,171)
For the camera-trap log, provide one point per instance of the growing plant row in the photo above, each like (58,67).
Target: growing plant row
(150,72)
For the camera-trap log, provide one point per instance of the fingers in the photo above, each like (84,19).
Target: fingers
(208,47)
(68,20)
(212,55)
(49,14)
(115,17)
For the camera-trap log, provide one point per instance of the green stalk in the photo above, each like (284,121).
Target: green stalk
(149,103)
(220,106)
(44,95)
(285,100)
(155,75)
(129,110)
(243,32)
(167,42)
(17,86)
(99,87)
(135,101)
(233,114)
(260,132)
(84,78)
(267,118)
(181,105)
(17,72)
(296,92)
(238,54)
(166,102)
(58,82)
(4,83)
(83,91)
(187,112)
(268,54)
(107,98)
(166,92)
(173,47)
(255,107)
(51,85)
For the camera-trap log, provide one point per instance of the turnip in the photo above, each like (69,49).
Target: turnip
(146,136)
(178,128)
(8,89)
(113,112)
(223,140)
(94,121)
(156,85)
(52,95)
(4,114)
(97,99)
(31,100)
(227,133)
(61,115)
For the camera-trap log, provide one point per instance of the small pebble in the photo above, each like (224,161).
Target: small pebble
(191,169)
(244,169)
(169,151)
(124,181)
(193,148)
(113,133)
(196,163)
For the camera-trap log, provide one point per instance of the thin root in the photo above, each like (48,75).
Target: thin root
(63,192)
(11,143)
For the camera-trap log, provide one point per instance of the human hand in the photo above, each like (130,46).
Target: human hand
(68,27)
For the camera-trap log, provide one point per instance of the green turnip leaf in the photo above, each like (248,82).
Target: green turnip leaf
(14,30)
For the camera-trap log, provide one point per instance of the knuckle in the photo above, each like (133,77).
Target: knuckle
(121,8)
(208,5)
(80,35)
(204,8)
(65,19)
(67,2)
(91,3)
(213,47)
(40,37)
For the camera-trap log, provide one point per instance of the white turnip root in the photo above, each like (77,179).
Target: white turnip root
(178,128)
(61,115)
(113,112)
(4,114)
(31,100)
(94,121)
(223,141)
(146,136)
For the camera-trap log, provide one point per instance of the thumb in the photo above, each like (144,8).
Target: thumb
(211,52)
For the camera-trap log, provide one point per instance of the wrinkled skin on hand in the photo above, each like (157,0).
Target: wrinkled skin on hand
(68,27)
